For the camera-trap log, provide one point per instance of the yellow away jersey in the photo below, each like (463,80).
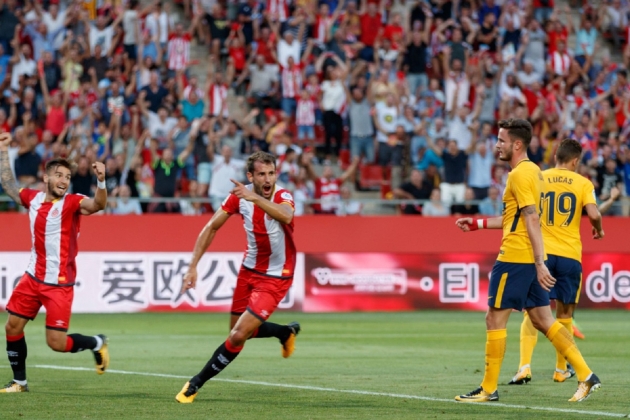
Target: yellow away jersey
(524,187)
(566,193)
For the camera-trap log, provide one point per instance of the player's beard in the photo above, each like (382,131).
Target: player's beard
(506,155)
(51,190)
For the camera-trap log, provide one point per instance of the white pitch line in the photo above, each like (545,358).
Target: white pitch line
(347,391)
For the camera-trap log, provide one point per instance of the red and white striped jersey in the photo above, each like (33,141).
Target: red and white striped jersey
(54,231)
(217,95)
(270,245)
(560,63)
(328,191)
(178,52)
(305,112)
(291,81)
(320,29)
(278,8)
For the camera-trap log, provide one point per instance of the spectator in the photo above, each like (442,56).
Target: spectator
(492,205)
(332,102)
(417,188)
(82,180)
(224,169)
(467,208)
(166,171)
(347,206)
(125,204)
(435,207)
(480,170)
(607,178)
(416,59)
(328,187)
(453,187)
(27,162)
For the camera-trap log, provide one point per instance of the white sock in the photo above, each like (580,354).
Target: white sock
(23,383)
(99,343)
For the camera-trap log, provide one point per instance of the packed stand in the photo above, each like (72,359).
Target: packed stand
(403,96)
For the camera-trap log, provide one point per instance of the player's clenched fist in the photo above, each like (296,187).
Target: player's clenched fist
(99,170)
(5,140)
(465,224)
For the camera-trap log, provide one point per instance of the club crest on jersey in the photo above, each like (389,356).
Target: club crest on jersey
(55,213)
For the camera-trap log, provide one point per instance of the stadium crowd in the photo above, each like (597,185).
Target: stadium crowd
(404,94)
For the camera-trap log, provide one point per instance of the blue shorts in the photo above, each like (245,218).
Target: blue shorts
(306,132)
(515,286)
(568,275)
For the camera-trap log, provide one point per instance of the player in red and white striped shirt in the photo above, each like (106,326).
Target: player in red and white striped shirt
(267,271)
(54,220)
(179,49)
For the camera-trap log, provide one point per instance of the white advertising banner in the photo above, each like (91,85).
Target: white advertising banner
(137,281)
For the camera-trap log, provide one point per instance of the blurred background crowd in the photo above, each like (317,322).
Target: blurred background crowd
(362,102)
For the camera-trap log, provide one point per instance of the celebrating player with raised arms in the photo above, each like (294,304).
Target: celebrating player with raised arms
(50,276)
(566,194)
(267,271)
(520,278)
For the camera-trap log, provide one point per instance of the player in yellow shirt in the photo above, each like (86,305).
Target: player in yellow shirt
(566,194)
(520,278)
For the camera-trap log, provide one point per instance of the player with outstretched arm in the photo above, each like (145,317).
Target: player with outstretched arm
(267,270)
(50,276)
(520,278)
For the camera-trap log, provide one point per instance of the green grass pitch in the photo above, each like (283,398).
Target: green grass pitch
(397,359)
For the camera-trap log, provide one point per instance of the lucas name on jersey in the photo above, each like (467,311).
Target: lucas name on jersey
(560,179)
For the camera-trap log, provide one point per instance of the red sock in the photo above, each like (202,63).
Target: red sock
(69,344)
(232,349)
(12,338)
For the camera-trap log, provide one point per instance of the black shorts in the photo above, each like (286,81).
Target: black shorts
(389,155)
(132,51)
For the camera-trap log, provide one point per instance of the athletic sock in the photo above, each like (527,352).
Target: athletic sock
(222,357)
(495,351)
(562,340)
(561,362)
(269,329)
(529,338)
(77,342)
(16,351)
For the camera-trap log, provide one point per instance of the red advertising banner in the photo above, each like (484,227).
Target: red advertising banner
(398,282)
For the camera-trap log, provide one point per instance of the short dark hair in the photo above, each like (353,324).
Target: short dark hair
(518,129)
(568,150)
(53,164)
(263,157)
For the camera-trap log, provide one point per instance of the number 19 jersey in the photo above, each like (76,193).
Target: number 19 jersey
(524,187)
(566,193)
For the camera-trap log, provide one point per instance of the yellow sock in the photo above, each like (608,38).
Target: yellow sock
(564,344)
(529,337)
(561,362)
(495,350)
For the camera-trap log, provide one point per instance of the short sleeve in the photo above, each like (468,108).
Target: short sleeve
(75,202)
(588,194)
(524,189)
(284,197)
(231,204)
(26,196)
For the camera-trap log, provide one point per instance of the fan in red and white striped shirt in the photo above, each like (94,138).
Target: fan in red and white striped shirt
(305,112)
(179,49)
(291,77)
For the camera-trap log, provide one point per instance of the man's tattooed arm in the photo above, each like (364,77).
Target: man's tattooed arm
(9,185)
